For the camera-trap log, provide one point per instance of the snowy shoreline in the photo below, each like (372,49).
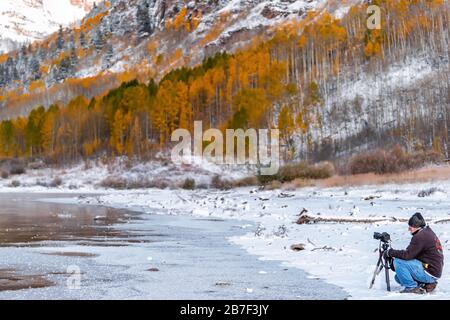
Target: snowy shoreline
(340,254)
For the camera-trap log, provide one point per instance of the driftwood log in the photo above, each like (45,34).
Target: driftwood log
(442,221)
(307,219)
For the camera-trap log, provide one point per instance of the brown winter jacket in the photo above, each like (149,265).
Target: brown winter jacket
(425,247)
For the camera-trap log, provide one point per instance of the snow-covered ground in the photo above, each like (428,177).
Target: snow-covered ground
(341,254)
(87,177)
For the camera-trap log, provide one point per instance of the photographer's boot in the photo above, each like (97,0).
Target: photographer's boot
(430,287)
(417,290)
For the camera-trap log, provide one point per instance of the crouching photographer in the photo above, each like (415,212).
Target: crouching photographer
(419,267)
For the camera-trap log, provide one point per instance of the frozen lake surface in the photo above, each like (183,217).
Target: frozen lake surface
(341,253)
(127,255)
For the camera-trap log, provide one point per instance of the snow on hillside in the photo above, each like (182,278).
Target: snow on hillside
(373,88)
(29,20)
(342,254)
(257,15)
(268,13)
(399,76)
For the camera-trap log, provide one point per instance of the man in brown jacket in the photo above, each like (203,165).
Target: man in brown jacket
(419,267)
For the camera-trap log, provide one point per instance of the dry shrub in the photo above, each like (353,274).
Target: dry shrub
(189,184)
(15,184)
(4,174)
(426,174)
(138,184)
(143,183)
(246,182)
(120,183)
(36,165)
(221,184)
(128,164)
(395,160)
(17,169)
(41,183)
(157,184)
(273,185)
(302,171)
(15,166)
(56,182)
(113,182)
(299,183)
(87,164)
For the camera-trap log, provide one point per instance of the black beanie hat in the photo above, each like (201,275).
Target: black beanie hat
(417,221)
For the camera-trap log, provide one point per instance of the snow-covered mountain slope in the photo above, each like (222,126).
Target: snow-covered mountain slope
(256,14)
(29,20)
(361,94)
(119,35)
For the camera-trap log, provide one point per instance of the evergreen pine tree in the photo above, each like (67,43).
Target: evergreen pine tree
(60,39)
(64,70)
(2,76)
(22,58)
(144,28)
(12,70)
(98,41)
(23,51)
(41,54)
(35,69)
(72,44)
(83,43)
(73,59)
(108,57)
(8,70)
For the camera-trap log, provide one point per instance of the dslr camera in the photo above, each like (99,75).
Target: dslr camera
(383,237)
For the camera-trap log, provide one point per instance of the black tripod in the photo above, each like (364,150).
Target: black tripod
(383,264)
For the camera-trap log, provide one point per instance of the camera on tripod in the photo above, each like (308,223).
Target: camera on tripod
(383,262)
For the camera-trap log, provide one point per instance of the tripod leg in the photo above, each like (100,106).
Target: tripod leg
(376,273)
(388,282)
